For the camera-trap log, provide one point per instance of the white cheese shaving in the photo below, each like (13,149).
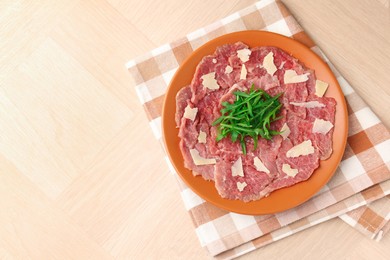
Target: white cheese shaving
(321,126)
(304,148)
(282,64)
(214,61)
(241,185)
(309,104)
(237,168)
(243,72)
(228,69)
(321,87)
(202,137)
(244,54)
(285,131)
(291,76)
(260,165)
(199,160)
(268,63)
(190,113)
(209,81)
(286,168)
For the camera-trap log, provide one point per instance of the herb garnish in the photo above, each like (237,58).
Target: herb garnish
(250,115)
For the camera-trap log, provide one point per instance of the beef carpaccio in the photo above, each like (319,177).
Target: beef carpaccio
(306,122)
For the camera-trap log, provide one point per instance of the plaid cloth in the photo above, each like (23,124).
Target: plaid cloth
(358,192)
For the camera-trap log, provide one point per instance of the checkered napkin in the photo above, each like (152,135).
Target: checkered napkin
(359,191)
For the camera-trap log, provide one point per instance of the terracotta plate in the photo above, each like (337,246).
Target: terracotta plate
(282,199)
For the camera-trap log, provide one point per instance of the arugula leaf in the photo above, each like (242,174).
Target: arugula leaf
(250,115)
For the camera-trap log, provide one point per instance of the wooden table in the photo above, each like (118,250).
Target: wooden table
(81,175)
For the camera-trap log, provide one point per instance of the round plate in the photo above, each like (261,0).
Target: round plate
(281,199)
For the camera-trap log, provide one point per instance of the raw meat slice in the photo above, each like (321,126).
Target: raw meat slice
(215,80)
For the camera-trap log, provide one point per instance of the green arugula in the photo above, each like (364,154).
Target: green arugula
(251,115)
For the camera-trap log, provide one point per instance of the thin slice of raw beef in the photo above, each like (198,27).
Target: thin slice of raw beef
(235,67)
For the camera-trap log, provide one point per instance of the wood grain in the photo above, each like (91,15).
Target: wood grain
(82,176)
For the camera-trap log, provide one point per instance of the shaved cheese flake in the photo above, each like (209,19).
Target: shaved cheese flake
(286,168)
(321,87)
(190,113)
(214,61)
(244,54)
(291,76)
(260,165)
(321,126)
(268,63)
(202,137)
(304,148)
(309,104)
(285,131)
(243,72)
(282,64)
(199,160)
(209,81)
(228,69)
(241,185)
(237,168)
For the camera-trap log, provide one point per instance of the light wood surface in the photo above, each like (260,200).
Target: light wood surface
(81,175)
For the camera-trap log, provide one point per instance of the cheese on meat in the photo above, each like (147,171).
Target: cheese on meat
(202,137)
(199,160)
(286,168)
(309,104)
(209,81)
(190,113)
(290,76)
(228,69)
(321,87)
(304,148)
(244,54)
(237,168)
(241,185)
(260,165)
(268,63)
(285,131)
(282,64)
(321,126)
(243,72)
